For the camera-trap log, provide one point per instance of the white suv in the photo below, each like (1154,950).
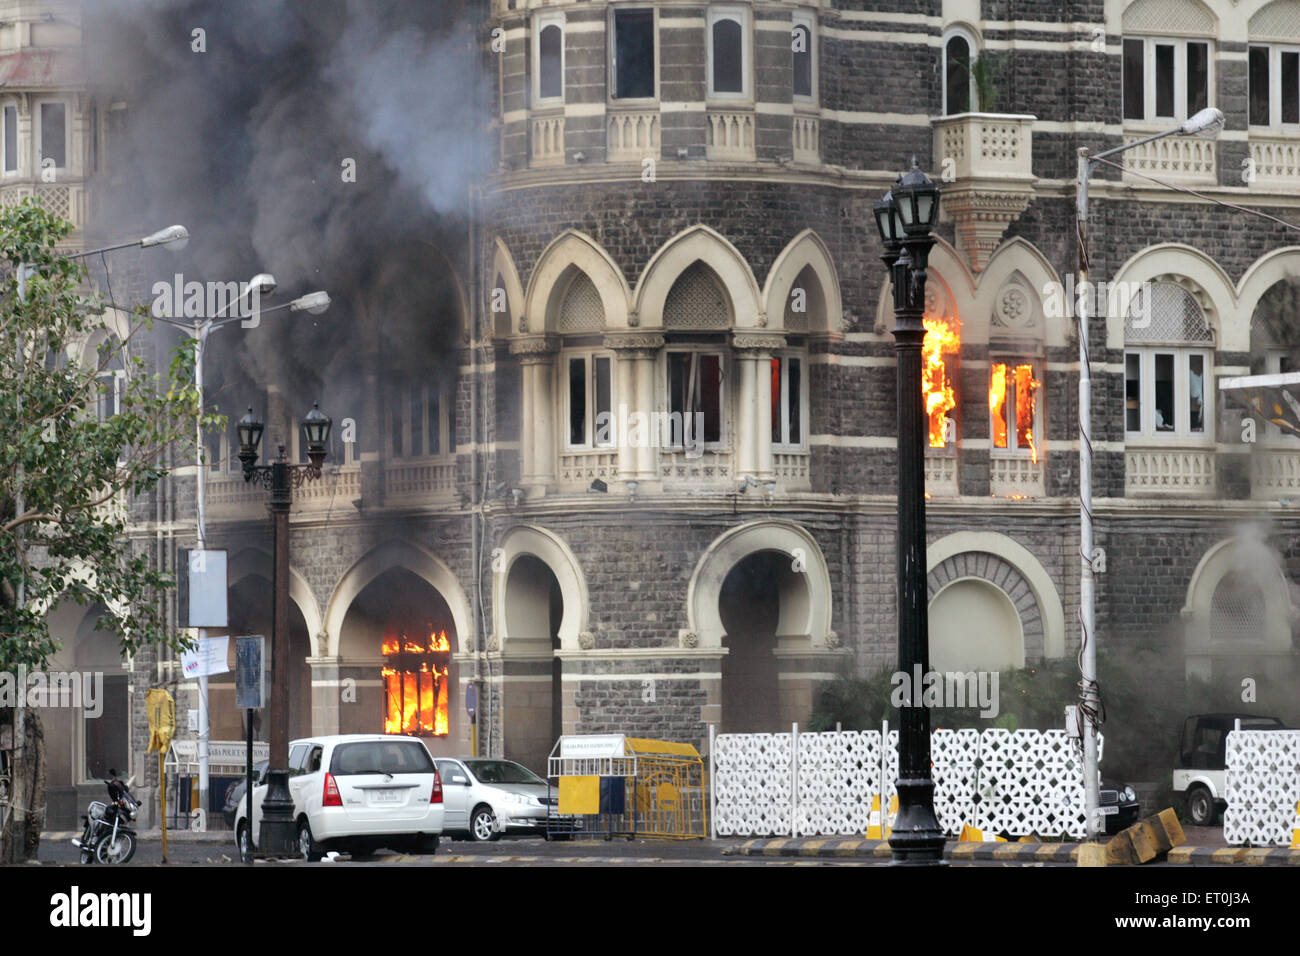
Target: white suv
(356,792)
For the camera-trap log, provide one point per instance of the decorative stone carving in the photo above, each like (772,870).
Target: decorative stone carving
(688,638)
(322,643)
(760,341)
(539,347)
(641,341)
(1015,308)
(587,640)
(493,643)
(832,639)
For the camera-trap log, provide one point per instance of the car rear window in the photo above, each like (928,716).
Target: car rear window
(380,756)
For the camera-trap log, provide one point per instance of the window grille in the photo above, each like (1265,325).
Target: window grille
(1173,316)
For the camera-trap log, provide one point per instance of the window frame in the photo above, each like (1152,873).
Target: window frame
(1273,434)
(590,354)
(741,15)
(1275,52)
(1180,109)
(664,402)
(38,122)
(4,141)
(1013,449)
(611,53)
(1181,432)
(972,44)
(446,395)
(783,401)
(802,19)
(552,18)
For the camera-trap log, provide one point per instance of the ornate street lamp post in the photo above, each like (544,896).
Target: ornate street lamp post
(277,838)
(904,217)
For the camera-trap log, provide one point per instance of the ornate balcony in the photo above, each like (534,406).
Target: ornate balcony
(66,200)
(630,137)
(941,472)
(984,160)
(1015,477)
(418,481)
(1275,160)
(729,135)
(1174,471)
(806,134)
(1275,472)
(548,140)
(1181,158)
(583,467)
(709,468)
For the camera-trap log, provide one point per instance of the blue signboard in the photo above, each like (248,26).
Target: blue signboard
(250,672)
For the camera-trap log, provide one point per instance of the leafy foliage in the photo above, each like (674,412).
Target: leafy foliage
(66,471)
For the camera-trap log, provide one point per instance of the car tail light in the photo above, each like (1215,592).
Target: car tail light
(331,797)
(436,795)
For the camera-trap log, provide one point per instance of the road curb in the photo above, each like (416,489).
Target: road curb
(173,836)
(840,847)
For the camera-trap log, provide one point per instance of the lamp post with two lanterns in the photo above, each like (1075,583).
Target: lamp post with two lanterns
(277,837)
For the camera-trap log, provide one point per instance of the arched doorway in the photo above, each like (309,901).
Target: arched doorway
(760,593)
(396,641)
(974,627)
(534,608)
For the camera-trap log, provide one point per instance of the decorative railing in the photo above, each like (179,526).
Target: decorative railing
(631,137)
(984,146)
(66,200)
(229,497)
(415,480)
(336,487)
(790,468)
(940,472)
(1275,161)
(705,468)
(1274,472)
(583,467)
(1015,477)
(806,134)
(548,140)
(1169,471)
(729,135)
(1175,157)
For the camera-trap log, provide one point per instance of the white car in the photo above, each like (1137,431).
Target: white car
(356,792)
(485,797)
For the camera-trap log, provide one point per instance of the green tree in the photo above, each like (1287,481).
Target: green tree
(66,474)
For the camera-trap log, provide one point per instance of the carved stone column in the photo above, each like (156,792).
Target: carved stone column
(635,356)
(754,439)
(536,354)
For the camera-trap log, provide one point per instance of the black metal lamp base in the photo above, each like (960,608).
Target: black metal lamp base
(917,839)
(277,839)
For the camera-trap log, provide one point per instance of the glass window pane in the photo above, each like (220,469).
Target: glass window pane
(417,418)
(710,396)
(1133,393)
(433,421)
(1134,80)
(1258,83)
(728,75)
(958,54)
(801,41)
(1164,79)
(577,401)
(451,419)
(634,53)
(53,133)
(1290,87)
(11,138)
(1026,399)
(604,401)
(1196,393)
(1165,404)
(678,369)
(998,400)
(1198,77)
(395,421)
(550,50)
(794,401)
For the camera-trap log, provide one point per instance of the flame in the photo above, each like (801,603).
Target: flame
(416,691)
(998,404)
(1025,390)
(438,642)
(940,339)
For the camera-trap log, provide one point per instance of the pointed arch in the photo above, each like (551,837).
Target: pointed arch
(676,255)
(1019,260)
(952,280)
(413,558)
(572,249)
(806,250)
(1263,273)
(1196,271)
(555,553)
(256,563)
(503,265)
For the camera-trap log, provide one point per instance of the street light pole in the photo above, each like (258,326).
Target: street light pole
(904,217)
(1207,123)
(277,838)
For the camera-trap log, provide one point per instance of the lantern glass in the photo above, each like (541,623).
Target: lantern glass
(886,219)
(316,424)
(250,433)
(925,209)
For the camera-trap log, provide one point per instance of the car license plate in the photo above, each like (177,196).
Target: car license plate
(1108,811)
(385,796)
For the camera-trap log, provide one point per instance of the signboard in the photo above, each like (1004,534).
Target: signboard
(250,671)
(162,719)
(593,745)
(471,700)
(222,754)
(208,660)
(201,587)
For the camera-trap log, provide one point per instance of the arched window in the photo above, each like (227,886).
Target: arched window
(1273,71)
(550,59)
(958,80)
(695,366)
(801,48)
(1237,609)
(728,52)
(1167,77)
(1166,385)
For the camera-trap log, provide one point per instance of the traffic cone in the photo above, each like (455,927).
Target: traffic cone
(874,829)
(1295,832)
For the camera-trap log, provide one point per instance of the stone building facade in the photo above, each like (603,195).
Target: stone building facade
(656,490)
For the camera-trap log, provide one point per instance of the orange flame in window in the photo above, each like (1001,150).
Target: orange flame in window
(940,339)
(416,686)
(1024,388)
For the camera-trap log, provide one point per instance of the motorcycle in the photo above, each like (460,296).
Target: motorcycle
(107,836)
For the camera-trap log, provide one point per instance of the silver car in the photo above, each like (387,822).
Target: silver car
(485,797)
